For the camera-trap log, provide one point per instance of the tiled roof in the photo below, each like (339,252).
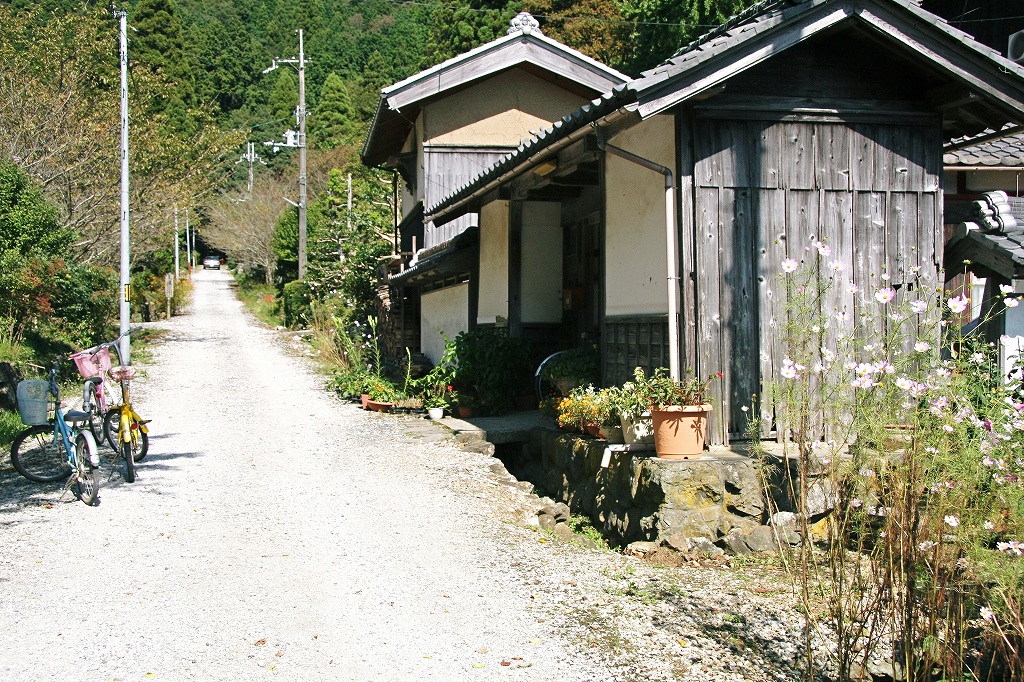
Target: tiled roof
(992,237)
(1007,151)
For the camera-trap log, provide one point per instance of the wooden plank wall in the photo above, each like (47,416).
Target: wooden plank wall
(446,170)
(765,191)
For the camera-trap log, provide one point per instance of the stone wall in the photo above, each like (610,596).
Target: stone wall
(639,497)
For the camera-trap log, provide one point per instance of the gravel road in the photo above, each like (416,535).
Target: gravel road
(275,532)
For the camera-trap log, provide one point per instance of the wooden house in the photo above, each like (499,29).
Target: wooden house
(793,123)
(439,128)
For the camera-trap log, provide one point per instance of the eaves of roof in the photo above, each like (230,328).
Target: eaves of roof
(992,153)
(561,133)
(399,102)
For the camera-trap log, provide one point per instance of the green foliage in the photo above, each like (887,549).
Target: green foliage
(459,29)
(491,368)
(285,245)
(662,27)
(660,390)
(296,301)
(158,44)
(334,119)
(573,367)
(285,96)
(10,427)
(260,299)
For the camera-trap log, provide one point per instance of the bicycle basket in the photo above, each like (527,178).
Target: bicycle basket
(92,365)
(33,401)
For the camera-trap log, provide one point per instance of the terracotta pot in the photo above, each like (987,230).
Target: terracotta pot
(435,412)
(680,431)
(637,430)
(593,430)
(465,412)
(380,406)
(364,399)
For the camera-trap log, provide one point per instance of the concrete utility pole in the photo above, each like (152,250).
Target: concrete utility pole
(300,117)
(188,243)
(126,287)
(251,156)
(177,271)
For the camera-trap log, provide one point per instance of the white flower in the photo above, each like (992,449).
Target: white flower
(789,265)
(867,473)
(978,358)
(918,306)
(922,346)
(884,276)
(1006,289)
(885,295)
(837,265)
(856,503)
(989,525)
(824,250)
(987,613)
(948,428)
(852,289)
(951,521)
(904,384)
(926,545)
(842,316)
(958,304)
(1011,302)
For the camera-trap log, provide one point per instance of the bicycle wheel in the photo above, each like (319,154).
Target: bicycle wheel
(87,481)
(111,421)
(129,461)
(37,457)
(96,418)
(111,424)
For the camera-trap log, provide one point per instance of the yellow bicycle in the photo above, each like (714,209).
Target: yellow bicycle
(123,428)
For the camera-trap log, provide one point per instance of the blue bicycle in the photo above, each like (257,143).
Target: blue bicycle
(55,449)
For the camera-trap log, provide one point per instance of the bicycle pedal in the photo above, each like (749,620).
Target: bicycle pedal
(94,460)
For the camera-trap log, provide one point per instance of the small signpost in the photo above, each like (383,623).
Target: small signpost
(169,291)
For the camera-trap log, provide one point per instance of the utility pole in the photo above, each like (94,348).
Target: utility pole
(251,156)
(188,243)
(300,117)
(177,271)
(126,287)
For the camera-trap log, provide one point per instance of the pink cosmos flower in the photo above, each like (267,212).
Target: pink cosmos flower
(885,295)
(789,265)
(958,304)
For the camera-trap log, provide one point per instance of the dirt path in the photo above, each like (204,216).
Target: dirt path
(276,533)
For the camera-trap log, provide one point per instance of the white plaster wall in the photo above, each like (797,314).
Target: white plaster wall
(493,262)
(497,111)
(408,199)
(541,277)
(1012,182)
(635,214)
(445,311)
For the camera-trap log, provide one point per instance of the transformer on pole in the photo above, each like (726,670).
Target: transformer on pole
(291,140)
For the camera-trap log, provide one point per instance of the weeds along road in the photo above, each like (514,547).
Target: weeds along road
(274,533)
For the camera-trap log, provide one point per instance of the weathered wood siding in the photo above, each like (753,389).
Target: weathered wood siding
(446,169)
(764,191)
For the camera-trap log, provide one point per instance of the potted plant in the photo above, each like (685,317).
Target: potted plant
(382,395)
(679,411)
(571,368)
(435,405)
(491,368)
(634,415)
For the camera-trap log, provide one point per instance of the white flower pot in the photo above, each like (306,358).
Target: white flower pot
(637,430)
(435,412)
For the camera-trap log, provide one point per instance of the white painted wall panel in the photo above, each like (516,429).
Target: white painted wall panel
(541,277)
(442,312)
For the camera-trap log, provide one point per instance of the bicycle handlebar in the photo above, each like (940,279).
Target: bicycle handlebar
(108,344)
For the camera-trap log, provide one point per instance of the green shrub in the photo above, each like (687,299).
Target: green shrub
(296,299)
(491,368)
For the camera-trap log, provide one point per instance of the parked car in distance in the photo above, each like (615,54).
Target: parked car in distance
(211,263)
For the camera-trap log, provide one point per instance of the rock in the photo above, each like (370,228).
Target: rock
(744,494)
(821,498)
(561,512)
(9,378)
(704,522)
(734,543)
(640,548)
(761,539)
(677,543)
(563,532)
(704,548)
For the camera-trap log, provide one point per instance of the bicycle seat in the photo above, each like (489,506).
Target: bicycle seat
(75,416)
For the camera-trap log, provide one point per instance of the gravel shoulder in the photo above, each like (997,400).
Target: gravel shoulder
(275,532)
